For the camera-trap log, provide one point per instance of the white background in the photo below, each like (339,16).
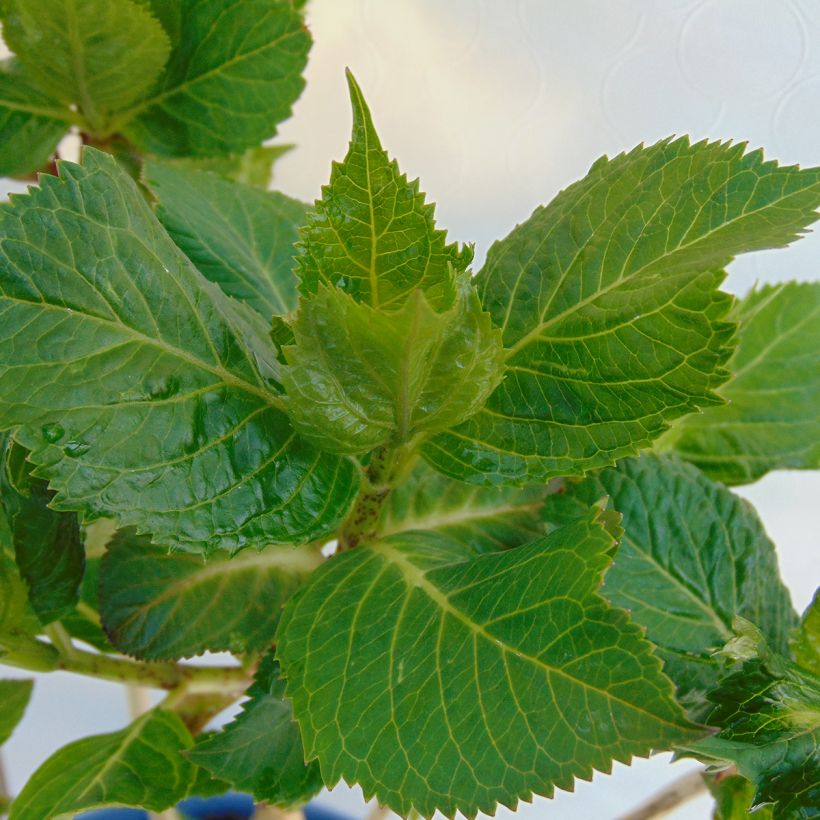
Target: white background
(497,105)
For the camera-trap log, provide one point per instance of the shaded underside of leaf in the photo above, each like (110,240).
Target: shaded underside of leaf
(372,233)
(237,236)
(144,393)
(771,419)
(608,302)
(160,605)
(14,697)
(693,557)
(461,682)
(483,519)
(235,71)
(140,765)
(261,751)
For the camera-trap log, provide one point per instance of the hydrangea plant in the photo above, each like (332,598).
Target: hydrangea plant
(469,536)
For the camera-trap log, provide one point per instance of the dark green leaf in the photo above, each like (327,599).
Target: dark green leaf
(17,621)
(461,682)
(372,234)
(160,605)
(144,393)
(83,622)
(141,765)
(609,306)
(481,518)
(360,377)
(31,124)
(806,643)
(770,421)
(261,751)
(234,73)
(693,557)
(237,236)
(98,55)
(14,697)
(47,544)
(768,712)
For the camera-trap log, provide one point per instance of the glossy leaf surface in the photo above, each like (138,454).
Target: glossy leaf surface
(31,123)
(693,557)
(483,519)
(160,605)
(14,697)
(771,419)
(237,236)
(608,302)
(235,71)
(143,392)
(98,55)
(372,234)
(358,377)
(261,751)
(464,681)
(141,765)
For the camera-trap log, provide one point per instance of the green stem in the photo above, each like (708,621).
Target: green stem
(38,656)
(386,467)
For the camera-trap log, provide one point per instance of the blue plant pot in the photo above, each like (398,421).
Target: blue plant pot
(226,807)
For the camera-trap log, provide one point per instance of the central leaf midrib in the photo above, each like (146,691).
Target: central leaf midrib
(417,578)
(463,515)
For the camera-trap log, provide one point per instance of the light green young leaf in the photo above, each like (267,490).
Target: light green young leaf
(734,795)
(237,236)
(261,751)
(483,519)
(254,167)
(694,556)
(359,377)
(768,712)
(234,73)
(144,393)
(372,233)
(31,123)
(771,420)
(806,642)
(141,765)
(14,697)
(159,605)
(609,306)
(48,549)
(99,55)
(463,682)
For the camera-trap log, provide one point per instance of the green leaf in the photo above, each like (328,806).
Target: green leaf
(372,233)
(84,622)
(237,236)
(160,605)
(483,519)
(359,377)
(770,421)
(254,167)
(608,302)
(14,697)
(768,713)
(234,73)
(461,682)
(261,752)
(806,643)
(99,55)
(17,621)
(144,393)
(47,544)
(140,765)
(31,123)
(734,796)
(693,557)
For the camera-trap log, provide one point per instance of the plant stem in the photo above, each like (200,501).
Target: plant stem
(385,468)
(39,656)
(677,792)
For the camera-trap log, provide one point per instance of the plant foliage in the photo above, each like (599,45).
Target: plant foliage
(205,384)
